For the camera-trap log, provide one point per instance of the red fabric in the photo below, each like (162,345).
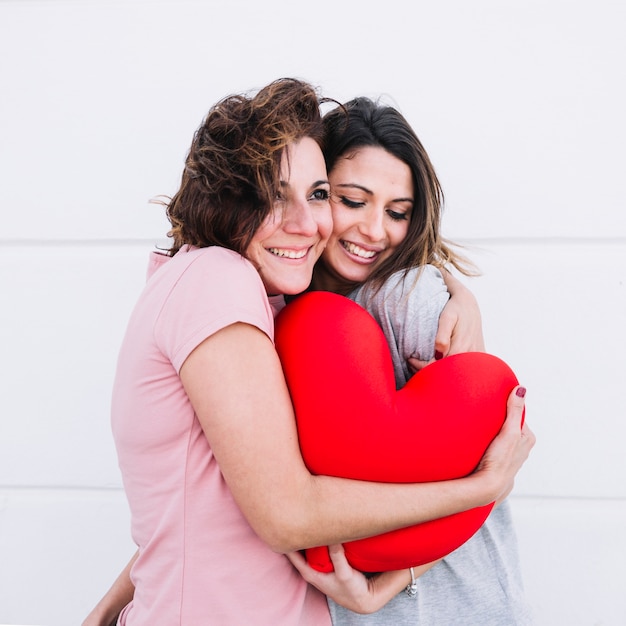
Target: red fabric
(353,423)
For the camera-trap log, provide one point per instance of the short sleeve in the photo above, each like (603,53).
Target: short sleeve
(211,288)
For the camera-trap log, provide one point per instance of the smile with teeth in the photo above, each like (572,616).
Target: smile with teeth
(352,248)
(290,254)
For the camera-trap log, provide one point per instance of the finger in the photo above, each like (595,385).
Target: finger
(443,339)
(415,365)
(340,562)
(515,407)
(295,557)
(299,562)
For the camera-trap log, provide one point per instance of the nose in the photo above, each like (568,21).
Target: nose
(372,224)
(298,218)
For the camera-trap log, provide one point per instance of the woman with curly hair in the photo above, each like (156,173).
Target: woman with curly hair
(201,414)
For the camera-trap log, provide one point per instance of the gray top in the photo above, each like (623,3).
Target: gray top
(479,584)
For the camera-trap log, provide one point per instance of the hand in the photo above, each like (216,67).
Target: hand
(95,619)
(349,587)
(510,449)
(460,324)
(108,609)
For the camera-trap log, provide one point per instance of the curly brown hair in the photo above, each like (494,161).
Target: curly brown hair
(232,172)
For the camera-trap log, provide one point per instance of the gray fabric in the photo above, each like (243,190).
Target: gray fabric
(407,308)
(479,584)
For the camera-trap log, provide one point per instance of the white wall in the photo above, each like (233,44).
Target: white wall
(521,106)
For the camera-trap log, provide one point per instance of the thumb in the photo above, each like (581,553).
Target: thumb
(516,407)
(443,338)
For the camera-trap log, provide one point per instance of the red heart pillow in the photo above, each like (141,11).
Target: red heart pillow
(353,423)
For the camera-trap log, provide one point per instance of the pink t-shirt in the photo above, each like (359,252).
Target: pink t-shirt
(200,562)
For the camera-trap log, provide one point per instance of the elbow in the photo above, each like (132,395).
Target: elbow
(277,542)
(285,533)
(287,518)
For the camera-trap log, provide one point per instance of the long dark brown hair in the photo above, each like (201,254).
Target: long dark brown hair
(363,122)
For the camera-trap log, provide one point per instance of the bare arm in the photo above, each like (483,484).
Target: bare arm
(288,507)
(460,324)
(106,612)
(250,423)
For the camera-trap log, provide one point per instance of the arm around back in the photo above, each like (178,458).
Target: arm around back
(235,383)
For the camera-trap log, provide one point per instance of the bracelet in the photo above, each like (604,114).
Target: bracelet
(411,588)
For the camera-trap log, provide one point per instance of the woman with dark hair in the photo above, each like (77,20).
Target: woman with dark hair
(386,252)
(201,414)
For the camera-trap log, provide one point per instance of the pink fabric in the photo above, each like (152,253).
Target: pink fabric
(200,562)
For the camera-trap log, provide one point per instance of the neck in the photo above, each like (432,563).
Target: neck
(327,280)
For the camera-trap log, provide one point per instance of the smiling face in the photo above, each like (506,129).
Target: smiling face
(289,242)
(372,199)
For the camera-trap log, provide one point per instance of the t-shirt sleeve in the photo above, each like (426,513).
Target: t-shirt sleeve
(407,308)
(216,289)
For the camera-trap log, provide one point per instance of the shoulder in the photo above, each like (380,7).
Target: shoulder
(415,283)
(200,291)
(215,268)
(206,282)
(425,278)
(214,256)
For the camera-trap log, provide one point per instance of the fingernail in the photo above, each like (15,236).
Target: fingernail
(438,355)
(521,392)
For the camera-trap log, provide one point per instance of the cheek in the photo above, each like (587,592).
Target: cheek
(399,233)
(341,222)
(325,224)
(267,228)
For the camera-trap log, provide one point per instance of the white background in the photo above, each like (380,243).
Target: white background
(521,106)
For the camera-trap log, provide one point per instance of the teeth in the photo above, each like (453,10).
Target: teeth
(352,248)
(290,254)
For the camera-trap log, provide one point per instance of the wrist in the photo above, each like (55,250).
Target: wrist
(486,487)
(411,588)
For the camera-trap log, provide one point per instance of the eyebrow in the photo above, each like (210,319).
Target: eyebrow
(354,186)
(317,183)
(369,191)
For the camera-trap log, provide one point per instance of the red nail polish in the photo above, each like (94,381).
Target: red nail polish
(521,392)
(438,355)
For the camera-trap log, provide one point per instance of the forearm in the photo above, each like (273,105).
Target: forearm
(368,509)
(106,612)
(259,456)
(338,511)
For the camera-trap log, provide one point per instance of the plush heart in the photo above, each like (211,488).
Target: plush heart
(353,423)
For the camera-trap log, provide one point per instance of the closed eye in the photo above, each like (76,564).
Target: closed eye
(351,204)
(396,216)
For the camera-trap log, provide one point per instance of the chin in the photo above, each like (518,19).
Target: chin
(294,290)
(290,289)
(356,277)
